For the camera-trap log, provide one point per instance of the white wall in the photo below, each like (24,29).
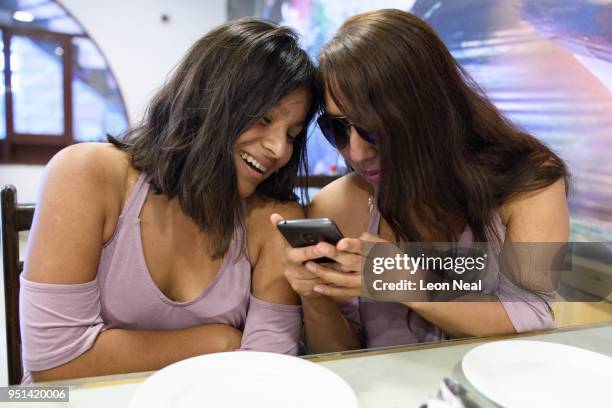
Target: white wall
(24,177)
(139,47)
(141,50)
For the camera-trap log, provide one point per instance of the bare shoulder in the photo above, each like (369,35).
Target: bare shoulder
(260,230)
(75,213)
(258,215)
(538,216)
(259,209)
(345,201)
(266,246)
(98,171)
(98,163)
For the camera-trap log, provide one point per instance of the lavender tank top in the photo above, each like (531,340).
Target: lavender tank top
(59,322)
(382,324)
(130,299)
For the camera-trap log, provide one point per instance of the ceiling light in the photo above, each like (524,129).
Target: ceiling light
(23,16)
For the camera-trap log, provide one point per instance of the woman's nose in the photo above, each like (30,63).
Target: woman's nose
(276,143)
(359,149)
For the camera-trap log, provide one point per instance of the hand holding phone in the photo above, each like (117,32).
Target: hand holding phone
(306,232)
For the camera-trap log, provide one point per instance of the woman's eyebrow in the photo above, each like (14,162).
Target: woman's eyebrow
(276,112)
(297,126)
(334,115)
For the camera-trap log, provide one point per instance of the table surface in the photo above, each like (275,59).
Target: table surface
(392,377)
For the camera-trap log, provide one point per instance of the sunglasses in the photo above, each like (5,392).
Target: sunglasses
(337,131)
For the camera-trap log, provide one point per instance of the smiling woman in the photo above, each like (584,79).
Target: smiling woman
(257,154)
(173,246)
(433,161)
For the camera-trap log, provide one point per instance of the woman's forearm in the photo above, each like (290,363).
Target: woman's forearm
(466,319)
(118,351)
(327,330)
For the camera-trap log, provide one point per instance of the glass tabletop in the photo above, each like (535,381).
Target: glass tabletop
(393,376)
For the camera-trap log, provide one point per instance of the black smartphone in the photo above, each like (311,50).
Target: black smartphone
(306,232)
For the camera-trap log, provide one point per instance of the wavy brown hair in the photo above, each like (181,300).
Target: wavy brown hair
(445,150)
(226,82)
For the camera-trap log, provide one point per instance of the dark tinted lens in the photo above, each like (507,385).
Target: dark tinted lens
(369,137)
(334,130)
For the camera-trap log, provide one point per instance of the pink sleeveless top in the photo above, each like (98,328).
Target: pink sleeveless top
(382,324)
(59,322)
(130,299)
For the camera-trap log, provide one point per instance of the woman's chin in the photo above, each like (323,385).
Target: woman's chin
(246,193)
(245,190)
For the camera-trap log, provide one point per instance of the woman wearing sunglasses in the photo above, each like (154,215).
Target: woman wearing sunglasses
(153,248)
(432,161)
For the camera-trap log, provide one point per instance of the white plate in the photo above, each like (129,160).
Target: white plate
(522,373)
(244,379)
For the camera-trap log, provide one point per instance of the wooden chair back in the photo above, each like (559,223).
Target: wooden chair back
(15,218)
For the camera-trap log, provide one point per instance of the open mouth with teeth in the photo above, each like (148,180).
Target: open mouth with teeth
(253,163)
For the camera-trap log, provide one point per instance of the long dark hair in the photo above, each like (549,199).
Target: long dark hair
(228,80)
(445,150)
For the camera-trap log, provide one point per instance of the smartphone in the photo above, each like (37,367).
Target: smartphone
(306,232)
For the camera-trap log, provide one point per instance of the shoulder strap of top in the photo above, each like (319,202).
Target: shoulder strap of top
(238,246)
(374,223)
(137,197)
(499,227)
